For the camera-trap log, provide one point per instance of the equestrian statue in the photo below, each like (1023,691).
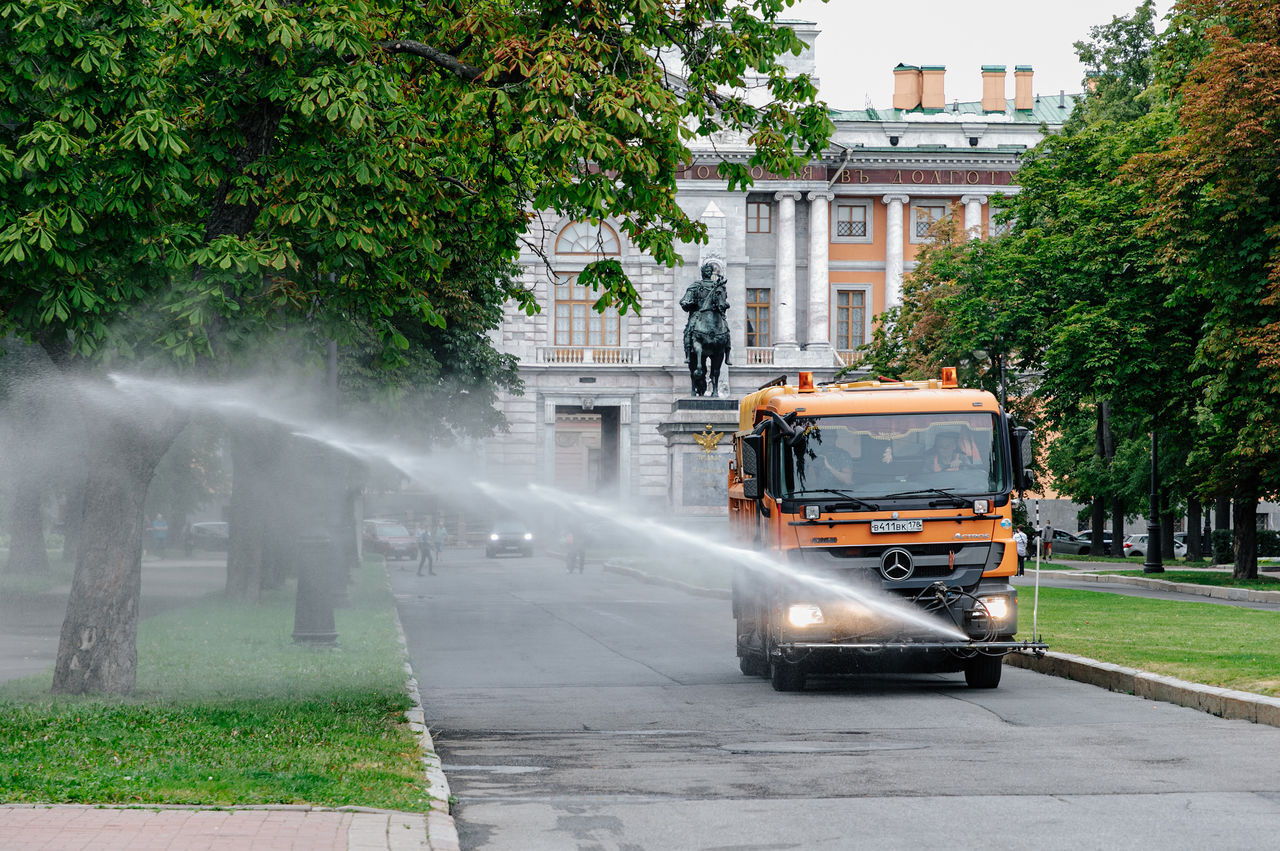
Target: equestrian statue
(706,334)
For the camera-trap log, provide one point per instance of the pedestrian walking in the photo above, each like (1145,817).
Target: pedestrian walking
(1020,542)
(159,534)
(424,552)
(438,534)
(1046,539)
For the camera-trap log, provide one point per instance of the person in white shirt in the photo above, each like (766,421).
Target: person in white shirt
(1020,541)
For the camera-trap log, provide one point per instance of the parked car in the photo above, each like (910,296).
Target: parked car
(1086,536)
(1066,543)
(389,538)
(1136,545)
(509,536)
(208,535)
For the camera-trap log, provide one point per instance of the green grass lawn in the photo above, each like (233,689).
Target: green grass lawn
(229,711)
(1202,642)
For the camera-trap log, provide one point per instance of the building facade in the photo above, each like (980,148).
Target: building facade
(810,259)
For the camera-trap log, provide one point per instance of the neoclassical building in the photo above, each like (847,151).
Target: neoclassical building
(811,260)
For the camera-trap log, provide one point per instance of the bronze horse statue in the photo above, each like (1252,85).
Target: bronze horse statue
(706,334)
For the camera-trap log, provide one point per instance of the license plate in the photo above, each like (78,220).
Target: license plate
(916,525)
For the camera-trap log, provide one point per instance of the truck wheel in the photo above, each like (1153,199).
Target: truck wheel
(983,671)
(785,676)
(753,666)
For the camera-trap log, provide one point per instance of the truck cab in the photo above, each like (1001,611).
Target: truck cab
(885,510)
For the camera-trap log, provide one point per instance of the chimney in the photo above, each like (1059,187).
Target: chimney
(906,87)
(993,88)
(1022,96)
(932,96)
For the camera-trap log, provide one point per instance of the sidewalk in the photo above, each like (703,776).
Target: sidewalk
(37,827)
(28,644)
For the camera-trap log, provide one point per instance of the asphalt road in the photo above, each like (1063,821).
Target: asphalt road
(595,712)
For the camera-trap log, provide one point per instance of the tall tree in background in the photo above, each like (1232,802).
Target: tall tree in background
(178,180)
(1215,210)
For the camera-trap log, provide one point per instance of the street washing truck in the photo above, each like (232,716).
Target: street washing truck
(879,519)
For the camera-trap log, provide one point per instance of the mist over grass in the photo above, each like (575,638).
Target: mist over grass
(229,711)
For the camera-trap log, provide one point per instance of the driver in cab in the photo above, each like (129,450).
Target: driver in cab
(950,454)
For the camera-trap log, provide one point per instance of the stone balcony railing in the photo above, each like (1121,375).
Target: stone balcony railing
(759,356)
(596,355)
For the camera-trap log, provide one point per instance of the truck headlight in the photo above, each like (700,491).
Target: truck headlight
(997,608)
(804,614)
(493,537)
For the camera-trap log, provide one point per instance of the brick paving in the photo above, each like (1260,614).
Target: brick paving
(71,828)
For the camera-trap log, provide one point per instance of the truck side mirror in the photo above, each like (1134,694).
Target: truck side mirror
(752,449)
(1022,440)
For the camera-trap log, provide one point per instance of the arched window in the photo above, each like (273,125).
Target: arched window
(586,238)
(577,321)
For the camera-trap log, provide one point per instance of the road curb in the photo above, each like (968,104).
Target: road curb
(442,831)
(1223,702)
(1247,595)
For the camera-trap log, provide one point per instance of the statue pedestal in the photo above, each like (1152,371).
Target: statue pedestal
(699,434)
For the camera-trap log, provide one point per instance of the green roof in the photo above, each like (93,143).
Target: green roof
(1045,110)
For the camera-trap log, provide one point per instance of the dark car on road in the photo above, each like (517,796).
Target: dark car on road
(509,536)
(389,538)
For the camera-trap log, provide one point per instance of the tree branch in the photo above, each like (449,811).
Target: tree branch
(450,63)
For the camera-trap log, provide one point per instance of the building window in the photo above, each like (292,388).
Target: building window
(586,238)
(923,218)
(997,228)
(853,222)
(578,323)
(758,331)
(851,319)
(759,217)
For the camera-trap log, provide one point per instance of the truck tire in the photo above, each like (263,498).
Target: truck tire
(983,671)
(786,676)
(753,666)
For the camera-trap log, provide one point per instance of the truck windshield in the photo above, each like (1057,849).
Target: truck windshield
(883,455)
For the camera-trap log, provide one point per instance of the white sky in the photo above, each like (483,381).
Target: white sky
(862,40)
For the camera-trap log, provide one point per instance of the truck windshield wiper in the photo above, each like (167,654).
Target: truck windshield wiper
(870,506)
(951,497)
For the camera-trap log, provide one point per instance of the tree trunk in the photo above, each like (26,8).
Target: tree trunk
(27,553)
(255,452)
(98,652)
(1222,513)
(1117,526)
(1194,512)
(73,513)
(1245,512)
(1098,513)
(1166,529)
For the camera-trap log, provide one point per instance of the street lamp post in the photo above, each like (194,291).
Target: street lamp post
(1154,562)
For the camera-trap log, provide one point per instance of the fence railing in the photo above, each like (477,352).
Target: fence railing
(760,355)
(588,354)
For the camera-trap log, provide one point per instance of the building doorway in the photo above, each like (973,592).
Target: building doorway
(586,449)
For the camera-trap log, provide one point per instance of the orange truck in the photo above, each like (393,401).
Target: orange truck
(880,516)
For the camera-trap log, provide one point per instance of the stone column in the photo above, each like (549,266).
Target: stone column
(819,279)
(893,250)
(973,215)
(784,291)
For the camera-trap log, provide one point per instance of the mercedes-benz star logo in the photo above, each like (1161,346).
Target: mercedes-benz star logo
(896,565)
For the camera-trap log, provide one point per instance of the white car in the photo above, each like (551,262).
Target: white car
(1136,545)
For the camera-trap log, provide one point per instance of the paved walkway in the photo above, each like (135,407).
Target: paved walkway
(60,828)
